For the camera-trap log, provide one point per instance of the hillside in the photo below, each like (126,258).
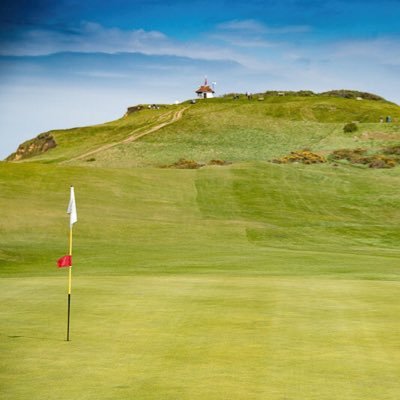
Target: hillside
(251,280)
(223,128)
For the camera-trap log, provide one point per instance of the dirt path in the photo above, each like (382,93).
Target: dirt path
(135,134)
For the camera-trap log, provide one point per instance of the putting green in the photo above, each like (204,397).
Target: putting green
(195,337)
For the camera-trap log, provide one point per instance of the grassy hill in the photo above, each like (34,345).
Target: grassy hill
(235,130)
(247,281)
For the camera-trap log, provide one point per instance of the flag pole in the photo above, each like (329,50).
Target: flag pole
(69,282)
(66,261)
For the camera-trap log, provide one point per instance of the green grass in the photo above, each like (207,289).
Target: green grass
(249,281)
(77,141)
(239,131)
(196,337)
(233,130)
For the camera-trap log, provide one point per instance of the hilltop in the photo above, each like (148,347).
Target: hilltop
(234,128)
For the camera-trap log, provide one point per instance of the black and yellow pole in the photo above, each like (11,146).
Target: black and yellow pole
(69,283)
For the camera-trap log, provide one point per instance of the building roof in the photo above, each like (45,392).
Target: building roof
(204,89)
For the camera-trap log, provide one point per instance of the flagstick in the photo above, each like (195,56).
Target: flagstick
(69,282)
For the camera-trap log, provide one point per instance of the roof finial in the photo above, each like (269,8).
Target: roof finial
(205,81)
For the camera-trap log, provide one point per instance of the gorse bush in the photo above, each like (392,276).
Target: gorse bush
(360,156)
(191,164)
(302,156)
(218,162)
(392,150)
(352,155)
(184,164)
(379,161)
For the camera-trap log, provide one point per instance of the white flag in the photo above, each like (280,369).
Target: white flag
(73,216)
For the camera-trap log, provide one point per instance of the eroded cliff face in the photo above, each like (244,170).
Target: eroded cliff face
(33,147)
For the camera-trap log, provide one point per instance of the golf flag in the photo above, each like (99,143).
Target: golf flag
(73,216)
(65,261)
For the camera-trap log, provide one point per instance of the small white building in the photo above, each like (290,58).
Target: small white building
(205,91)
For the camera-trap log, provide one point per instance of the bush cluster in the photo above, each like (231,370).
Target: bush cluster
(301,156)
(182,163)
(191,164)
(360,156)
(352,94)
(392,150)
(352,155)
(218,162)
(344,93)
(380,161)
(302,93)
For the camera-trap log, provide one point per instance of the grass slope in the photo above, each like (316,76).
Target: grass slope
(234,130)
(251,281)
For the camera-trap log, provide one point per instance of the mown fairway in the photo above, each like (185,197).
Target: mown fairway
(252,281)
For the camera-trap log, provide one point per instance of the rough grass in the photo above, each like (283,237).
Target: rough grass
(77,141)
(247,131)
(233,130)
(249,281)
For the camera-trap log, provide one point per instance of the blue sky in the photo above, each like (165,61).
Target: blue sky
(67,63)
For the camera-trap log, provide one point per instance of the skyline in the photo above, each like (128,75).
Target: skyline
(66,64)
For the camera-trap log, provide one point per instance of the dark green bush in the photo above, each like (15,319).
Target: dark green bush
(350,127)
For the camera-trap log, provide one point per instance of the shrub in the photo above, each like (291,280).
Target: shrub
(359,156)
(352,94)
(352,155)
(184,164)
(380,161)
(303,156)
(392,150)
(350,127)
(218,162)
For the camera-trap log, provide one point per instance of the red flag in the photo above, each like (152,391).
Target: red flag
(65,261)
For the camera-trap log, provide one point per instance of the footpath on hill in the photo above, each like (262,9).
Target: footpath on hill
(135,134)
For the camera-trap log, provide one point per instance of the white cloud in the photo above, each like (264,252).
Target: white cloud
(256,27)
(92,37)
(232,40)
(89,37)
(248,25)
